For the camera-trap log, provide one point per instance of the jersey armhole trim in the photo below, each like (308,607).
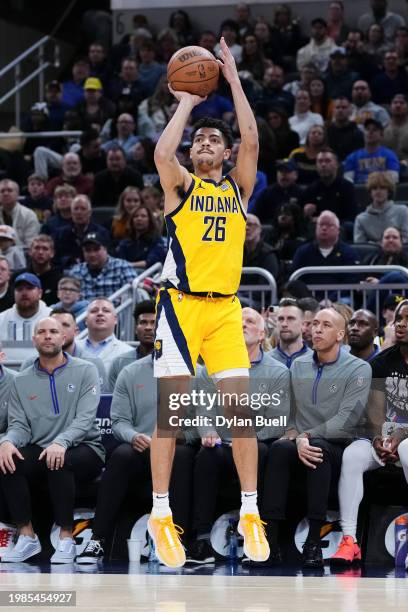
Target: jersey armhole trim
(238,195)
(183,201)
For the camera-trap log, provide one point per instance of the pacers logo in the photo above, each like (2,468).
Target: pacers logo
(158,349)
(81,530)
(330,534)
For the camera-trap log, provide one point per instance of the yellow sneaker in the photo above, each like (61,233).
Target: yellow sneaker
(252,529)
(166,537)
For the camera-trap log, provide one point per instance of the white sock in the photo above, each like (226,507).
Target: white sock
(161,506)
(249,503)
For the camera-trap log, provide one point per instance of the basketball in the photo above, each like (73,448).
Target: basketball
(194,70)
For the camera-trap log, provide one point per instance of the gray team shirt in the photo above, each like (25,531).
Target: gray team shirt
(6,381)
(287,360)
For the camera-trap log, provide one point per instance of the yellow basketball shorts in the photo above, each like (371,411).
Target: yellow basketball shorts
(188,326)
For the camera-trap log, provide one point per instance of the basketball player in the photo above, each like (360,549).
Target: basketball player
(197,310)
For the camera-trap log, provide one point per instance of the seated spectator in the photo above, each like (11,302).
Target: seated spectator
(56,107)
(392,251)
(376,46)
(98,64)
(8,249)
(396,132)
(363,108)
(307,74)
(319,49)
(37,200)
(362,329)
(358,59)
(309,306)
(392,81)
(155,110)
(372,158)
(153,198)
(208,40)
(289,326)
(59,451)
(101,342)
(229,30)
(69,239)
(150,70)
(339,78)
(285,138)
(288,233)
(167,45)
(71,174)
(303,119)
(73,90)
(70,297)
(91,154)
(284,190)
(180,23)
(101,274)
(253,59)
(305,157)
(38,121)
(266,42)
(287,35)
(330,191)
(143,159)
(110,183)
(243,18)
(28,308)
(63,196)
(343,135)
(256,252)
(129,200)
(272,93)
(127,83)
(6,287)
(369,225)
(337,29)
(401,45)
(95,109)
(320,102)
(379,14)
(41,255)
(23,220)
(145,246)
(125,137)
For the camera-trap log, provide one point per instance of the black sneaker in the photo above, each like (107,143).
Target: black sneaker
(200,552)
(274,559)
(312,555)
(92,553)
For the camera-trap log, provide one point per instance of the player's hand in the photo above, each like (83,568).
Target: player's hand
(390,444)
(210,441)
(54,456)
(309,455)
(290,434)
(227,66)
(141,442)
(7,450)
(184,95)
(371,280)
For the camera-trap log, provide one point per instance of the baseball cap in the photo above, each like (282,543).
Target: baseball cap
(288,165)
(338,51)
(392,301)
(95,238)
(92,83)
(372,121)
(53,85)
(8,232)
(30,279)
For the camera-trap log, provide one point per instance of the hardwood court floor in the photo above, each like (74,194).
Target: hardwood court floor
(215,590)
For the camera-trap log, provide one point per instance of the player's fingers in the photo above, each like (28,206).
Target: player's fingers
(306,462)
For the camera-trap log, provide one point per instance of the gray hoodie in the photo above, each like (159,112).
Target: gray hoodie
(369,225)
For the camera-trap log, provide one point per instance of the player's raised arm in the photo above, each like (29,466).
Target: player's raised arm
(245,171)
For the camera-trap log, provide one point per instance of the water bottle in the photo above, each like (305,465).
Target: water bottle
(152,552)
(401,543)
(232,541)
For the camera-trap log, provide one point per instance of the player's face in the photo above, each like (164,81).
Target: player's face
(401,325)
(289,323)
(144,329)
(252,327)
(208,149)
(325,331)
(101,317)
(48,337)
(69,328)
(360,330)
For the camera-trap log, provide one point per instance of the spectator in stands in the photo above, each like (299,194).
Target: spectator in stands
(101,274)
(98,64)
(63,451)
(256,252)
(284,190)
(230,31)
(379,14)
(362,329)
(155,110)
(129,200)
(208,40)
(73,90)
(326,250)
(110,183)
(401,45)
(392,81)
(8,249)
(70,297)
(23,220)
(307,74)
(38,121)
(381,213)
(167,45)
(253,59)
(319,49)
(310,307)
(303,119)
(153,198)
(287,35)
(396,132)
(392,251)
(339,78)
(69,239)
(343,135)
(71,174)
(363,108)
(358,58)
(150,70)
(267,44)
(125,136)
(289,325)
(372,158)
(143,158)
(336,27)
(127,83)
(213,106)
(56,107)
(330,191)
(37,200)
(91,154)
(95,109)
(305,157)
(376,46)
(63,196)
(320,102)
(101,342)
(41,255)
(145,318)
(6,288)
(145,246)
(180,23)
(272,93)
(243,18)
(28,308)
(288,232)
(286,139)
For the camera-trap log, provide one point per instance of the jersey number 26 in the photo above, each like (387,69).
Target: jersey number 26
(215,230)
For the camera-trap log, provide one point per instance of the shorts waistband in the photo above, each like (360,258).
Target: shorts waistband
(209,294)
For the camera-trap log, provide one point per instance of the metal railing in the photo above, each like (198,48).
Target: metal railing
(366,294)
(52,134)
(16,65)
(258,295)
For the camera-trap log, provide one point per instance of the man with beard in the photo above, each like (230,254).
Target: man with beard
(51,436)
(289,329)
(28,307)
(362,329)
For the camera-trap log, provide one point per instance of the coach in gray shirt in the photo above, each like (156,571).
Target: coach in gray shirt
(289,327)
(51,434)
(330,389)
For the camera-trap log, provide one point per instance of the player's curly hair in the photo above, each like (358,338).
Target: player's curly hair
(218,124)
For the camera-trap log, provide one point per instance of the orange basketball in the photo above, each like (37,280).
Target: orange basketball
(193,69)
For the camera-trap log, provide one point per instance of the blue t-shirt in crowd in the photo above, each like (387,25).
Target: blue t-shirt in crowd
(363,163)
